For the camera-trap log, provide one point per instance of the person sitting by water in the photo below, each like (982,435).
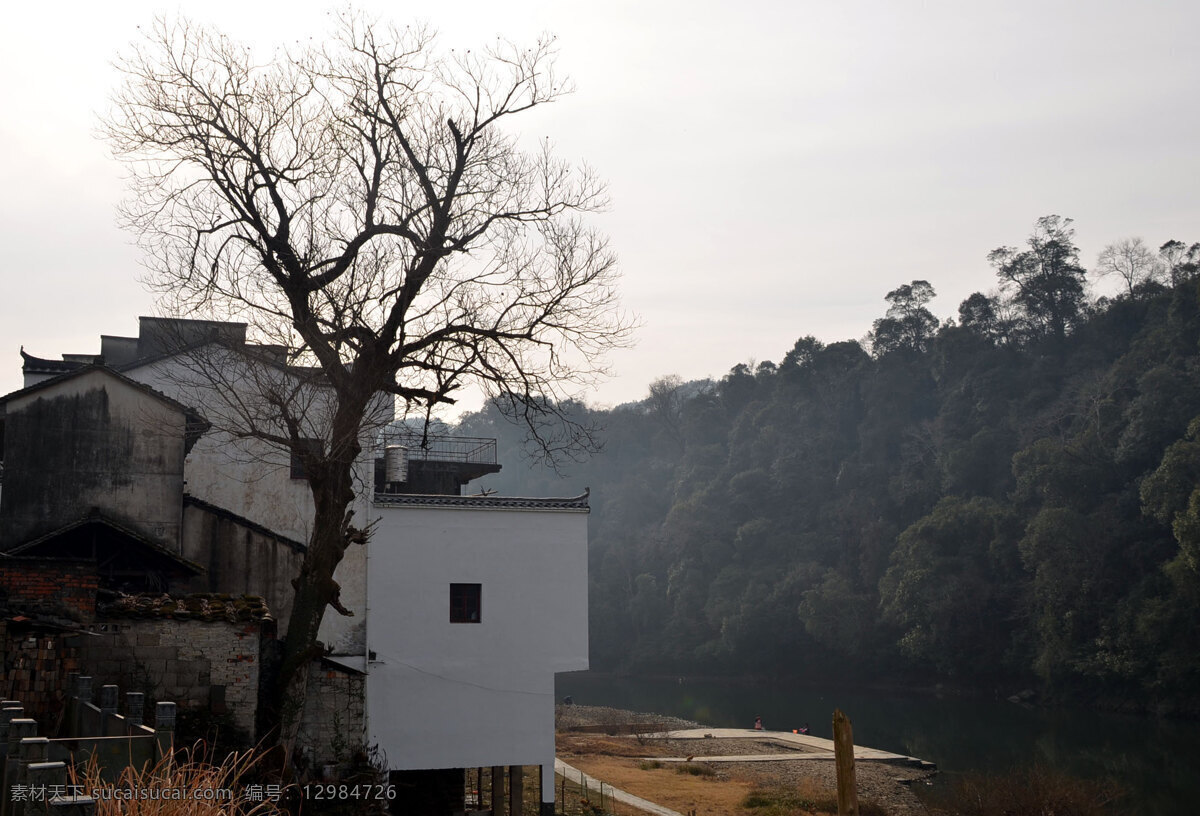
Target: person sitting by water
(758,724)
(804,730)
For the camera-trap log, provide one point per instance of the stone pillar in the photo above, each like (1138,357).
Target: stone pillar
(73,806)
(42,776)
(31,753)
(18,729)
(108,699)
(164,727)
(9,712)
(83,696)
(135,707)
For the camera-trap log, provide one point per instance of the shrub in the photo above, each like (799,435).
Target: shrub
(694,769)
(1029,792)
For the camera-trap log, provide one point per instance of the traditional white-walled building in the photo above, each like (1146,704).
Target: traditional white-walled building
(474,603)
(465,606)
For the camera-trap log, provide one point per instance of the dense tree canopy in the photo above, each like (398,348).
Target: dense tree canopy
(1013,500)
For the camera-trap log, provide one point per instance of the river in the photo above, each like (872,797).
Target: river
(1158,761)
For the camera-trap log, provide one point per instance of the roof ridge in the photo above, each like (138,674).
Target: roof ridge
(576,503)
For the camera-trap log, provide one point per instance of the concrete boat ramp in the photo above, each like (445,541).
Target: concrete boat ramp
(802,747)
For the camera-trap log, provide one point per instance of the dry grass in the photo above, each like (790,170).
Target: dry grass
(1029,792)
(696,787)
(602,745)
(808,797)
(784,788)
(187,784)
(704,795)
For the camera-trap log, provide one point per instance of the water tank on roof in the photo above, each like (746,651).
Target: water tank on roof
(395,459)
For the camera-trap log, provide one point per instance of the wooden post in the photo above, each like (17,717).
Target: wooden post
(843,756)
(516,790)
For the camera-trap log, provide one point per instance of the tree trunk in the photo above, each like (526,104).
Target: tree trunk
(333,492)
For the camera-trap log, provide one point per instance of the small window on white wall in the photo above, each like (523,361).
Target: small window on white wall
(464,603)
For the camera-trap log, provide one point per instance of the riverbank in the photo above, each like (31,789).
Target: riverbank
(636,763)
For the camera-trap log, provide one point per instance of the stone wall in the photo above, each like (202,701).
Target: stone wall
(332,728)
(199,665)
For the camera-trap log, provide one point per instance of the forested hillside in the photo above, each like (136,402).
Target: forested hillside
(1005,497)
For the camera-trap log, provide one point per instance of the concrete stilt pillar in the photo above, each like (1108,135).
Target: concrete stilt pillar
(498,790)
(547,806)
(516,790)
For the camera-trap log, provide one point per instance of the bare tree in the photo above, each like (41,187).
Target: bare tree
(665,403)
(361,204)
(1131,261)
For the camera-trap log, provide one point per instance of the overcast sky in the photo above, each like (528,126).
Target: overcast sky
(775,167)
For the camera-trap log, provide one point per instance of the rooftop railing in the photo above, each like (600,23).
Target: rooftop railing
(477,450)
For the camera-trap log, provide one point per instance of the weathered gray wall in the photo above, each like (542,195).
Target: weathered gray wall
(179,661)
(91,441)
(240,557)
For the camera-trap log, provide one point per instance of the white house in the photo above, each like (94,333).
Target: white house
(474,603)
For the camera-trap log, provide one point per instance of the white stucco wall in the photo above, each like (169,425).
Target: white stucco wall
(451,695)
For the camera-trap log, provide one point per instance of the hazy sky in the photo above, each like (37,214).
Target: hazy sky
(775,167)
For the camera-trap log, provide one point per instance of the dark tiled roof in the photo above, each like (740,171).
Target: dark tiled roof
(200,606)
(95,516)
(40,365)
(577,504)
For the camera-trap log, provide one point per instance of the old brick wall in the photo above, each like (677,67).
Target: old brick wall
(34,669)
(333,727)
(58,587)
(180,661)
